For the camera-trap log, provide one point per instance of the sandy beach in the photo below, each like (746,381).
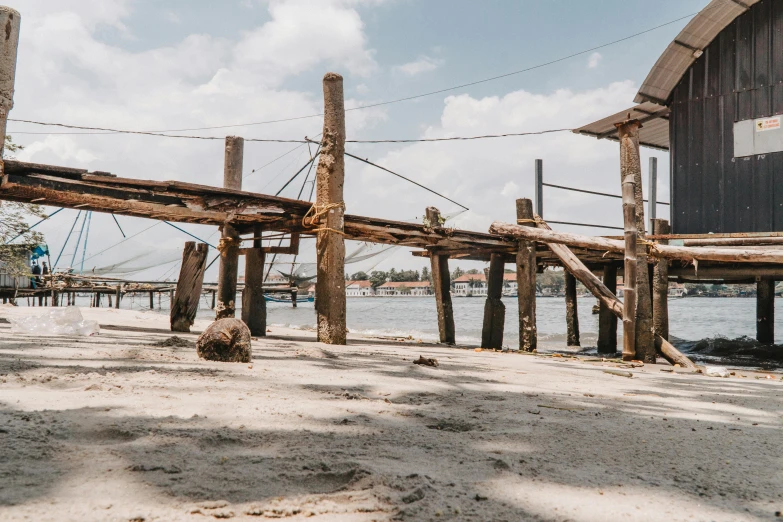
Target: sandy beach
(128,425)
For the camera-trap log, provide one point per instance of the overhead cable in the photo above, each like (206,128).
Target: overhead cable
(368,106)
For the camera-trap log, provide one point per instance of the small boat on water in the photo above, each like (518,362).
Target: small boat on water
(281,299)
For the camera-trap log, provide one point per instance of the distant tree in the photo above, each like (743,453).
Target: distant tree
(457,273)
(14,227)
(425,275)
(377,278)
(360,276)
(473,271)
(404,276)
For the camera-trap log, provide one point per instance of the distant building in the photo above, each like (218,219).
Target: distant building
(475,285)
(405,288)
(359,289)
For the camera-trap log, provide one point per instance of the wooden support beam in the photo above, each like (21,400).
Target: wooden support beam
(661,284)
(607,321)
(574,265)
(629,271)
(631,166)
(526,281)
(572,311)
(765,311)
(118,296)
(494,309)
(188,294)
(330,305)
(441,282)
(253,302)
(230,240)
(10,20)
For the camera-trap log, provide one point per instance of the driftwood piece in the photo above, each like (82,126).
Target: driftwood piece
(225,340)
(629,273)
(574,265)
(184,306)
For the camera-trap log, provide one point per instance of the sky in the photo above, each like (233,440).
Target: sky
(181,64)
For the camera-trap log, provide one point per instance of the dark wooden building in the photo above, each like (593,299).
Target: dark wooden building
(714,100)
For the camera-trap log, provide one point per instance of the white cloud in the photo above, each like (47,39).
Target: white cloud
(422,65)
(510,189)
(594,60)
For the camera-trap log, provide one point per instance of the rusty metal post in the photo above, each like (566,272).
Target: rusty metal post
(330,304)
(229,240)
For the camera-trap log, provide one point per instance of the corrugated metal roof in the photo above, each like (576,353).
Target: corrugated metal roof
(655,125)
(689,44)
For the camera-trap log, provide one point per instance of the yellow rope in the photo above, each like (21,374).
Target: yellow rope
(318,212)
(227,242)
(536,221)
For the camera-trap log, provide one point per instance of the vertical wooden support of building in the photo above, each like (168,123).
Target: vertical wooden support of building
(441,285)
(607,321)
(329,208)
(494,309)
(253,302)
(661,283)
(630,165)
(572,310)
(629,271)
(152,300)
(10,21)
(191,276)
(526,280)
(118,296)
(765,311)
(229,240)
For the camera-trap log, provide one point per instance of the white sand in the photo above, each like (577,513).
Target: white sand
(113,427)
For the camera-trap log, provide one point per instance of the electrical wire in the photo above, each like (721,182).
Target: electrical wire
(361,107)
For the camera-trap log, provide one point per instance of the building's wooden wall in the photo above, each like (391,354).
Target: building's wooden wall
(739,77)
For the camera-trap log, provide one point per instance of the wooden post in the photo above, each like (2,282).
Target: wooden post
(765,311)
(607,322)
(152,300)
(572,310)
(494,309)
(214,294)
(630,165)
(629,272)
(574,265)
(526,281)
(330,302)
(9,21)
(108,296)
(229,240)
(661,284)
(294,296)
(441,285)
(253,302)
(118,296)
(184,306)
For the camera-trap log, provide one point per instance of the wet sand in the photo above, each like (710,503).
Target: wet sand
(127,425)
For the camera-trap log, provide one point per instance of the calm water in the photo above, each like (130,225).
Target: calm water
(708,328)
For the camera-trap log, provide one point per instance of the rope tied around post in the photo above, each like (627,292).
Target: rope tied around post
(228,242)
(318,211)
(536,221)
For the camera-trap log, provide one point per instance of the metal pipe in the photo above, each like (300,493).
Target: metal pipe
(653,203)
(540,187)
(572,189)
(79,240)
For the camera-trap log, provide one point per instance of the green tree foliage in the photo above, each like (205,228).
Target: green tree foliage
(14,227)
(403,276)
(377,278)
(360,276)
(456,273)
(425,275)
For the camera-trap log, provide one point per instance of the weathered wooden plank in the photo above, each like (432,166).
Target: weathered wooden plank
(188,293)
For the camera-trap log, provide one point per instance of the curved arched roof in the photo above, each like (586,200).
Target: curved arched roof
(687,47)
